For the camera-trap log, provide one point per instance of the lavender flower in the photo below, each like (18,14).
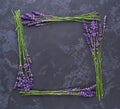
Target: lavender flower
(93,36)
(69,91)
(37,18)
(87,93)
(26,22)
(34,18)
(26,66)
(29,59)
(104,23)
(24,80)
(90,88)
(36,13)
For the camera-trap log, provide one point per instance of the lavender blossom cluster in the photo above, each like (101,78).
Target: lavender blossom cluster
(86,92)
(24,80)
(34,19)
(94,34)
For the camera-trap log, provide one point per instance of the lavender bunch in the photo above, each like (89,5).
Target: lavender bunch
(86,92)
(37,18)
(24,80)
(94,36)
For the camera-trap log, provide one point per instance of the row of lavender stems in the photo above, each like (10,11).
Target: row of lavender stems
(94,33)
(36,18)
(86,92)
(24,80)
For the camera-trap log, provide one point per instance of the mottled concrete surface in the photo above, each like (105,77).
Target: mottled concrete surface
(60,56)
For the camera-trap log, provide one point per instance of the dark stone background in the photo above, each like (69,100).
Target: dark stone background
(60,55)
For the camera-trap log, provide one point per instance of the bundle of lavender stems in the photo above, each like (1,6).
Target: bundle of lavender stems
(94,35)
(86,92)
(37,18)
(24,80)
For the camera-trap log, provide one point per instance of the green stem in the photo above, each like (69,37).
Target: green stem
(79,18)
(50,92)
(21,40)
(16,20)
(100,70)
(98,79)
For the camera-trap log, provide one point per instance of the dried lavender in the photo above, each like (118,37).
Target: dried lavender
(94,36)
(24,80)
(86,92)
(37,18)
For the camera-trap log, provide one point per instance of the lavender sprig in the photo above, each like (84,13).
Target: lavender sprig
(37,18)
(24,80)
(87,92)
(94,36)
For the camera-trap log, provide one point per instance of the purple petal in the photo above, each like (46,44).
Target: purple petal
(36,13)
(25,22)
(32,24)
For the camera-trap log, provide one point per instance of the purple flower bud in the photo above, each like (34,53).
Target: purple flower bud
(85,27)
(104,23)
(90,93)
(75,89)
(15,85)
(69,91)
(26,66)
(97,43)
(87,38)
(28,15)
(36,13)
(105,19)
(19,78)
(19,84)
(90,88)
(93,25)
(100,30)
(100,39)
(26,22)
(20,73)
(93,34)
(32,23)
(87,93)
(91,42)
(20,67)
(23,17)
(92,50)
(29,60)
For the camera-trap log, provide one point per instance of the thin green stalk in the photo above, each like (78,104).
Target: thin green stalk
(79,18)
(97,76)
(21,41)
(24,49)
(49,92)
(100,70)
(21,32)
(100,60)
(18,38)
(34,92)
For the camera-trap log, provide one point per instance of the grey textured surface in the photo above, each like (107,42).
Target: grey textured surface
(60,56)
